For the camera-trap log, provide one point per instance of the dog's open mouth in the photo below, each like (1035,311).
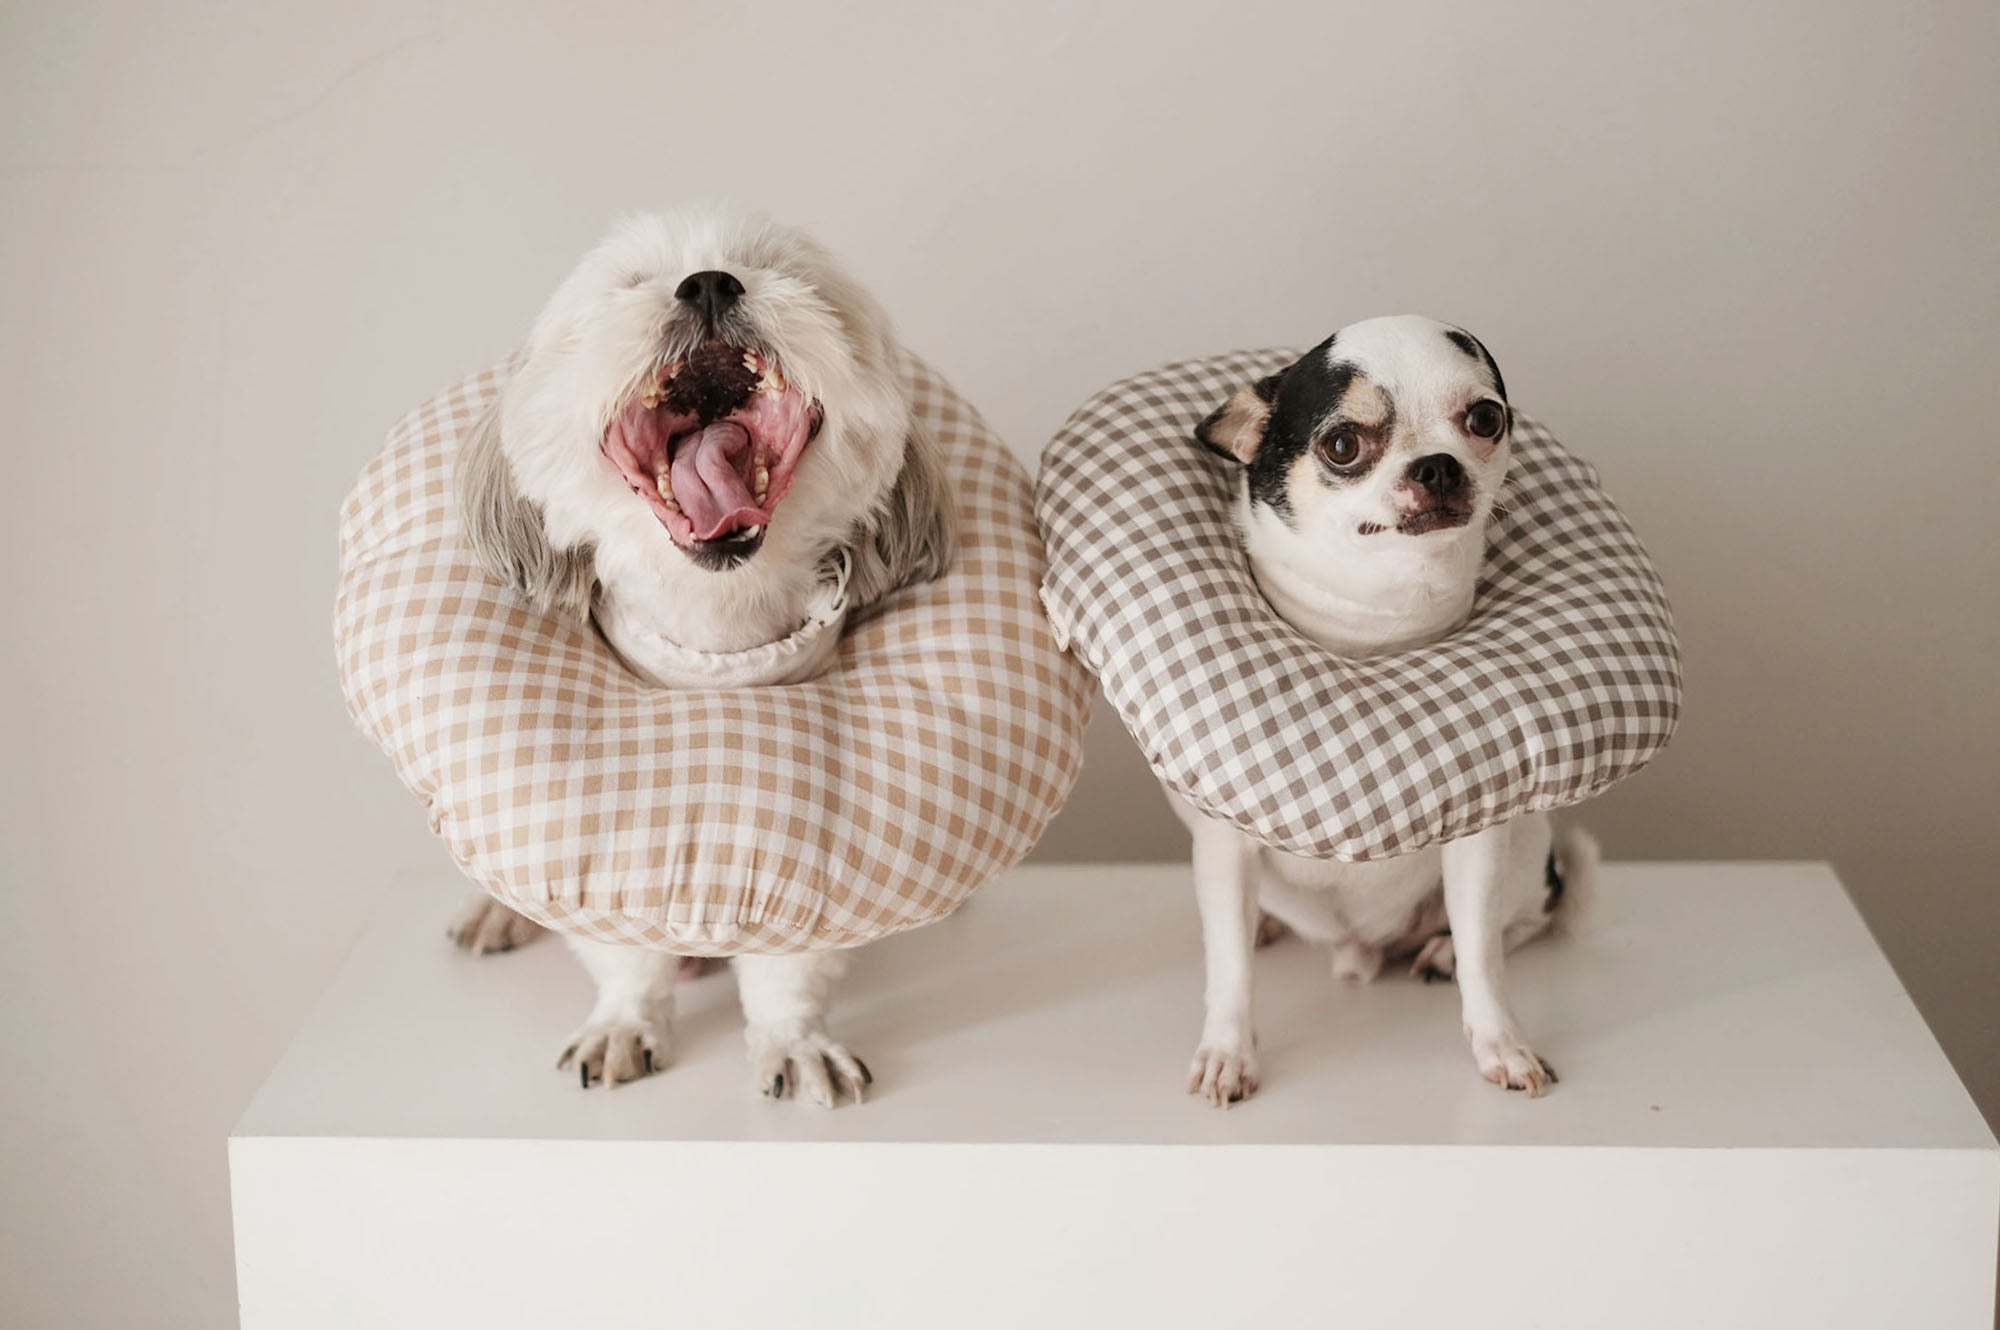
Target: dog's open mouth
(711,443)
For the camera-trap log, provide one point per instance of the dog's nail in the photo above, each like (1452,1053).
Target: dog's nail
(867,1076)
(583,1074)
(778,1086)
(649,1062)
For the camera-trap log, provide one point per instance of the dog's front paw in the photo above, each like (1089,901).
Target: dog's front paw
(1224,1072)
(610,1051)
(800,1057)
(485,926)
(1507,1062)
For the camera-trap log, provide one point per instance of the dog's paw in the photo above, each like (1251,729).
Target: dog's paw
(485,926)
(1511,1064)
(612,1051)
(1356,962)
(801,1058)
(1437,963)
(1223,1073)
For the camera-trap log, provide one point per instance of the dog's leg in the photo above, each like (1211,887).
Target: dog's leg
(629,1033)
(1225,888)
(784,1004)
(484,926)
(1435,961)
(1475,901)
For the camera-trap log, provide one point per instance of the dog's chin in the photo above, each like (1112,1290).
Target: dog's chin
(711,444)
(725,552)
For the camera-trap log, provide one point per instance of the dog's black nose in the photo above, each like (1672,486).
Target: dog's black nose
(1439,473)
(711,292)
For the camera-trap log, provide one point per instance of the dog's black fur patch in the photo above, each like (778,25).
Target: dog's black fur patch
(1306,395)
(1476,349)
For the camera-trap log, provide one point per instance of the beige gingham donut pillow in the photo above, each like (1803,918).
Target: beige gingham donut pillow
(1566,678)
(872,799)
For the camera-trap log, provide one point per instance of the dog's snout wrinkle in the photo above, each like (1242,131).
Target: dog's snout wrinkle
(711,292)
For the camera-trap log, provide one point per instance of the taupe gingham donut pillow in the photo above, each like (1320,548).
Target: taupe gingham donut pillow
(1566,678)
(874,798)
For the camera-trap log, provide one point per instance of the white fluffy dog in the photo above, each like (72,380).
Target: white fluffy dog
(1369,469)
(706,429)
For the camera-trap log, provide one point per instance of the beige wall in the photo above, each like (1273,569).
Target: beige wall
(1742,256)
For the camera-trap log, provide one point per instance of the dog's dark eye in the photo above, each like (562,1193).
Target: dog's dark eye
(1341,449)
(1485,420)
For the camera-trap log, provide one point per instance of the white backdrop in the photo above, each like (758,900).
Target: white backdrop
(1743,257)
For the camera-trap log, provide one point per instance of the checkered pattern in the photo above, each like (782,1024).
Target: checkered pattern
(1566,679)
(786,818)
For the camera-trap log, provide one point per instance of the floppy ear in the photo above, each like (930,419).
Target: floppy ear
(1236,428)
(911,536)
(505,530)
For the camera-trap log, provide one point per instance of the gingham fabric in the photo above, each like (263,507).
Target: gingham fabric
(872,799)
(1566,678)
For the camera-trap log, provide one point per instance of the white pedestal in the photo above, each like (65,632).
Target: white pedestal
(1754,1128)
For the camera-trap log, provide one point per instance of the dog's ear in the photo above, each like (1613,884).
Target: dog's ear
(505,530)
(1236,428)
(1475,348)
(912,536)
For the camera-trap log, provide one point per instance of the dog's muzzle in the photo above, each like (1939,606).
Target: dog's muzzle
(1435,495)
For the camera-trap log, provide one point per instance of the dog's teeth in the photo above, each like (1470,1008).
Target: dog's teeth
(752,361)
(674,368)
(763,479)
(665,482)
(773,382)
(652,397)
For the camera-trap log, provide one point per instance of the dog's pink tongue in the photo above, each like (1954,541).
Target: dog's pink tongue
(708,480)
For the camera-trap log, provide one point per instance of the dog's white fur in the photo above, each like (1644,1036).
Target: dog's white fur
(1336,566)
(548,512)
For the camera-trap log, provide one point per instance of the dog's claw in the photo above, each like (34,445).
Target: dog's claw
(612,1052)
(867,1076)
(1223,1074)
(802,1057)
(1511,1065)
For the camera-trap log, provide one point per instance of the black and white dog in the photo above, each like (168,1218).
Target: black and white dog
(1369,469)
